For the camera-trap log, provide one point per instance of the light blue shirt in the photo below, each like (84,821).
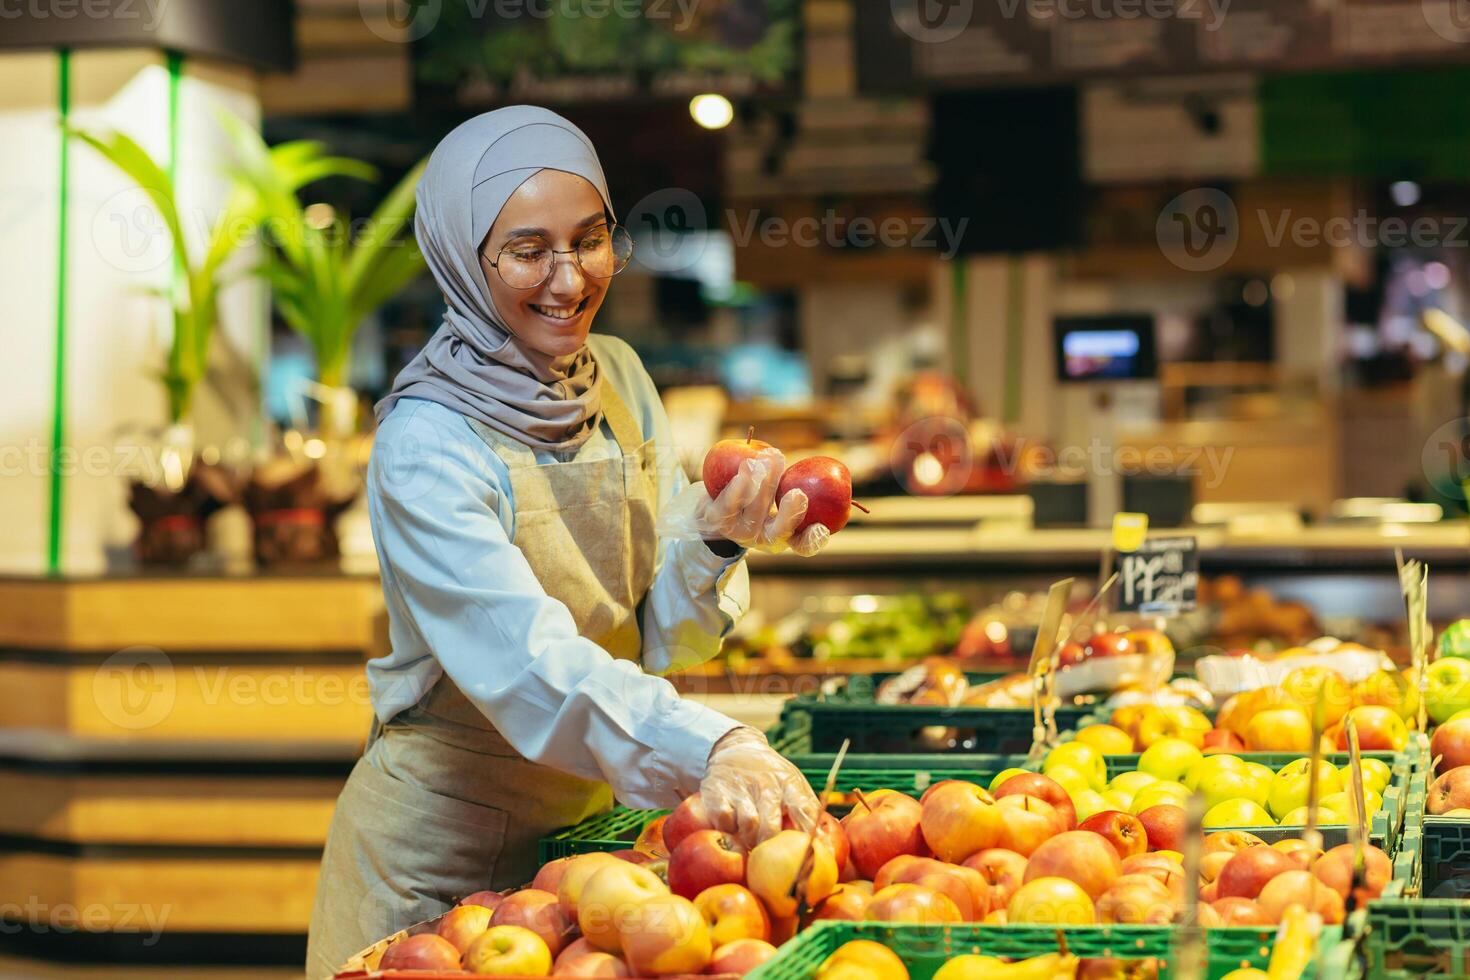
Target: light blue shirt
(463,600)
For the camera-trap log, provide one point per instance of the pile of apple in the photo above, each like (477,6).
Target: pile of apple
(1449,747)
(1237,792)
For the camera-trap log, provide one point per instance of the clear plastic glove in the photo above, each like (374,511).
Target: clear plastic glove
(746,512)
(747,786)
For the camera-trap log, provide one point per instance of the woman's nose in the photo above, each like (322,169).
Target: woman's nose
(566,276)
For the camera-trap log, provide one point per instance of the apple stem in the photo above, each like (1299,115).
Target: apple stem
(861,507)
(863,800)
(1062,942)
(749,434)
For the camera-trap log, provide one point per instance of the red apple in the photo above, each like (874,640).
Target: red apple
(463,924)
(829,829)
(1108,645)
(1102,968)
(687,817)
(1026,823)
(1381,729)
(724,458)
(1449,791)
(633,857)
(1164,825)
(538,911)
(704,859)
(651,839)
(1004,871)
(1044,788)
(1079,856)
(426,951)
(667,937)
(740,957)
(1070,654)
(847,904)
(959,819)
(912,904)
(733,912)
(773,865)
(1223,740)
(891,872)
(548,878)
(828,488)
(1135,900)
(1236,911)
(970,891)
(1166,871)
(1248,871)
(890,828)
(1451,744)
(1335,870)
(488,899)
(1229,840)
(1123,830)
(1298,850)
(1297,887)
(582,959)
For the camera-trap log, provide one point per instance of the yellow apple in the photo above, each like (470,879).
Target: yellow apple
(667,936)
(1001,777)
(1107,739)
(1133,781)
(1279,730)
(1169,758)
(774,863)
(611,896)
(1081,757)
(508,951)
(1237,813)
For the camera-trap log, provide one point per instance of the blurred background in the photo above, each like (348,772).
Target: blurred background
(1019,266)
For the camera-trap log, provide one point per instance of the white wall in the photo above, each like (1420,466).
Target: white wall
(116,333)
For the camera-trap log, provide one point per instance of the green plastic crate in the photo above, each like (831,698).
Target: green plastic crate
(1417,938)
(850,713)
(926,948)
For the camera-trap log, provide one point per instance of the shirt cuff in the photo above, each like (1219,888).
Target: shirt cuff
(701,568)
(687,734)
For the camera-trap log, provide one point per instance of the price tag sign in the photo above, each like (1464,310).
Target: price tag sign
(1129,531)
(1160,577)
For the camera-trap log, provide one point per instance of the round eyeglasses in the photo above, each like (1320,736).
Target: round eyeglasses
(602,253)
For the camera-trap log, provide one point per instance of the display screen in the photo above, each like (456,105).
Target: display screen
(1114,348)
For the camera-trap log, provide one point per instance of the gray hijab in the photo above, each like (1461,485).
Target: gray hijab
(473,363)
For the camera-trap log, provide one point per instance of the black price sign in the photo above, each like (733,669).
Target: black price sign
(1160,578)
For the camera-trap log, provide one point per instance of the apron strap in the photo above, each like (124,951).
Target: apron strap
(625,428)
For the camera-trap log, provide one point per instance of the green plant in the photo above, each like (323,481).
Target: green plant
(196,311)
(325,280)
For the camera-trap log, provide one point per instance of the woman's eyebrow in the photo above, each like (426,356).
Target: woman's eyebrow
(591,219)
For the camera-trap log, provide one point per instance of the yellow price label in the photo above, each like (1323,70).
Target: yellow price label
(1129,530)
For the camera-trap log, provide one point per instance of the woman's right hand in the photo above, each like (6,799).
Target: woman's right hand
(748,787)
(748,513)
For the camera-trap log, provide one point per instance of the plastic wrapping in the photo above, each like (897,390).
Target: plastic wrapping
(748,786)
(746,512)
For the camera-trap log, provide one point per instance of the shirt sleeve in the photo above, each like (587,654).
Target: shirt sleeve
(471,597)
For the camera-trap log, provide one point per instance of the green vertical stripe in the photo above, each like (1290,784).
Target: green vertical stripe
(1015,326)
(959,322)
(178,286)
(58,401)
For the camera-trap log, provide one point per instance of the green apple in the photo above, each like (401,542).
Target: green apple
(1118,799)
(1377,774)
(1291,786)
(1156,793)
(1087,802)
(1003,775)
(1069,779)
(1298,817)
(1237,813)
(1448,690)
(1208,766)
(1170,758)
(1262,771)
(1081,757)
(1131,782)
(1342,802)
(1233,784)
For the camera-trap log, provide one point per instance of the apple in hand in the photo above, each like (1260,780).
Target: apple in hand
(828,488)
(959,819)
(426,951)
(1122,830)
(612,895)
(773,866)
(538,911)
(508,951)
(1043,788)
(733,912)
(1079,856)
(1449,791)
(704,859)
(463,924)
(724,459)
(740,957)
(1004,871)
(890,828)
(666,936)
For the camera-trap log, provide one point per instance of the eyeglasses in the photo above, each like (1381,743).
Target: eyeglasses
(601,253)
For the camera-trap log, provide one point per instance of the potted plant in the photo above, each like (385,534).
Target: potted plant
(326,275)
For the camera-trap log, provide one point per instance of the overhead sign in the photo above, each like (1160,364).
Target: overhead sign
(970,43)
(1161,577)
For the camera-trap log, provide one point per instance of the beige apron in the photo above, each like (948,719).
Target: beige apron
(440,805)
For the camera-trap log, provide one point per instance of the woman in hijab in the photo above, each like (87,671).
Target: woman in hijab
(516,481)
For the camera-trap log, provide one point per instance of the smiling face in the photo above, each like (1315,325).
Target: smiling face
(556,208)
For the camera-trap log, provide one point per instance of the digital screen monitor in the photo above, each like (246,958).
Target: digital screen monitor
(1106,348)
